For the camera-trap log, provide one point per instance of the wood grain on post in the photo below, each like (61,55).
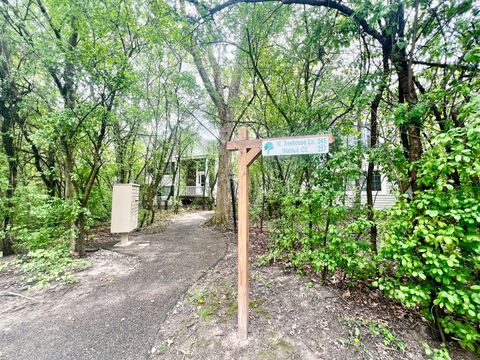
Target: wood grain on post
(249,150)
(243,235)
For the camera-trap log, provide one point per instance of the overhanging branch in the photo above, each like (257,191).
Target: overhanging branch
(336,5)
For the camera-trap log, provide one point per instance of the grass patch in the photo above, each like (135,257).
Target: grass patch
(162,348)
(220,302)
(276,347)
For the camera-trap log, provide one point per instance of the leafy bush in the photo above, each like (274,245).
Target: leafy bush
(100,205)
(44,228)
(317,230)
(43,221)
(327,239)
(436,354)
(431,255)
(429,250)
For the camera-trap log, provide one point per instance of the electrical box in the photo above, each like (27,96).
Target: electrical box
(125,199)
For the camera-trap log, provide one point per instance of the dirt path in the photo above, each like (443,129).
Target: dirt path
(121,302)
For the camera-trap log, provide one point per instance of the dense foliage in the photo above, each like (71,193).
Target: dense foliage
(98,92)
(431,255)
(89,97)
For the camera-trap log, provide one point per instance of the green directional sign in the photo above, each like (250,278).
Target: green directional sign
(296,146)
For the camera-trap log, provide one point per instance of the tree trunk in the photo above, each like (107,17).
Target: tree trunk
(10,151)
(264,188)
(152,191)
(410,132)
(373,144)
(358,186)
(80,243)
(223,206)
(68,93)
(171,193)
(224,106)
(370,175)
(9,98)
(68,168)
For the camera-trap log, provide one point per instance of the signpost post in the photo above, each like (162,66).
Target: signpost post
(249,150)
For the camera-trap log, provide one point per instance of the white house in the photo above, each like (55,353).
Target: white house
(192,177)
(383,190)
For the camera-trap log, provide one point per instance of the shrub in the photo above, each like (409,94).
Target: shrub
(43,221)
(317,230)
(431,255)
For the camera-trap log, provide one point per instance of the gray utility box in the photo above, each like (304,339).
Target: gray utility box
(125,199)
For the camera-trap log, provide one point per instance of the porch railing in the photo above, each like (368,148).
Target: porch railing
(194,191)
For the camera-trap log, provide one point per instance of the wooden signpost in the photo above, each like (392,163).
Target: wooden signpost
(249,151)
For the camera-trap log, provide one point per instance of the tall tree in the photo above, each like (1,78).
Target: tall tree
(223,89)
(10,97)
(398,37)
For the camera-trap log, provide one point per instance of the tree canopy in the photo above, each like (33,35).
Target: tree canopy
(94,93)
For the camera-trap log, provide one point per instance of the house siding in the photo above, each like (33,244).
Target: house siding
(381,199)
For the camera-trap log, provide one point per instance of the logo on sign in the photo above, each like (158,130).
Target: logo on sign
(267,147)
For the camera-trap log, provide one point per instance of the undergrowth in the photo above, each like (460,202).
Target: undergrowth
(40,268)
(426,248)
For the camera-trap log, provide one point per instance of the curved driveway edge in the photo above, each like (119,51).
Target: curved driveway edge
(120,320)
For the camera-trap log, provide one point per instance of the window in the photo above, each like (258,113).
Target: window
(366,136)
(170,168)
(377,181)
(202,180)
(166,191)
(190,170)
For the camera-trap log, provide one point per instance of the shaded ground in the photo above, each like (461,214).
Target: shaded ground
(133,303)
(290,318)
(121,301)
